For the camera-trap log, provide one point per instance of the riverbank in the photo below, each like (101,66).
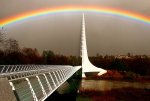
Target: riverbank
(121,76)
(122,94)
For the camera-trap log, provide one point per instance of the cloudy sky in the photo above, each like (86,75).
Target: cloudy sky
(61,32)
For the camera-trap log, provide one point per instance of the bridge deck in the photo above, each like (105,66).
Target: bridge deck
(36,82)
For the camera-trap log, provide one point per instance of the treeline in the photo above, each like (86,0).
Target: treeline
(137,64)
(32,56)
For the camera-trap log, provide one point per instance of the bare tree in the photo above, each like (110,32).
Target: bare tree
(2,38)
(11,45)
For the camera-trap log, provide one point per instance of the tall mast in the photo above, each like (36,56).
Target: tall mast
(87,66)
(83,41)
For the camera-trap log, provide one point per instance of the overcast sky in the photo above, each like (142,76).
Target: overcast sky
(61,32)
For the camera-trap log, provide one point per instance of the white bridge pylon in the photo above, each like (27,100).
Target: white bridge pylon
(87,66)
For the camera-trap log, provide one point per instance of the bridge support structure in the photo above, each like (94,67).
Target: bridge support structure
(87,66)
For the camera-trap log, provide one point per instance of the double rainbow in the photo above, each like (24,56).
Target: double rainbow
(101,10)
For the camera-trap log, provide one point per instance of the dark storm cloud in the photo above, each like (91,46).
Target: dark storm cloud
(61,32)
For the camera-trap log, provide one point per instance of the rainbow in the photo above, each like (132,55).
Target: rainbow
(101,10)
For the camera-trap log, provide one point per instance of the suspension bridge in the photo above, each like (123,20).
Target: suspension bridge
(38,82)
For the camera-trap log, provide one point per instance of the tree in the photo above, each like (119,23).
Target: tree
(31,56)
(11,45)
(2,57)
(2,38)
(48,56)
(118,64)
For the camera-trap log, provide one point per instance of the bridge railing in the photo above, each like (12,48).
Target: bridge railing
(16,68)
(13,72)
